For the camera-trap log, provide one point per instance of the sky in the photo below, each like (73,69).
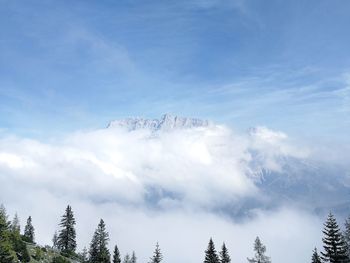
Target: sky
(66,66)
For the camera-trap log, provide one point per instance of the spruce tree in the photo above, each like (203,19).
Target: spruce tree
(126,258)
(29,231)
(15,225)
(66,240)
(55,241)
(333,242)
(17,244)
(315,257)
(84,256)
(99,252)
(210,254)
(6,253)
(133,257)
(116,255)
(260,250)
(157,255)
(224,256)
(346,236)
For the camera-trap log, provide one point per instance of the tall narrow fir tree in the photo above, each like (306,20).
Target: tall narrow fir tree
(260,250)
(99,252)
(224,256)
(210,254)
(29,231)
(157,255)
(116,255)
(315,257)
(66,240)
(333,242)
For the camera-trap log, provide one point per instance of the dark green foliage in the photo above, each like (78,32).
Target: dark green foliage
(29,231)
(60,259)
(38,254)
(315,257)
(260,250)
(66,240)
(333,242)
(346,236)
(157,255)
(15,227)
(19,247)
(133,257)
(116,255)
(6,253)
(99,252)
(210,254)
(224,256)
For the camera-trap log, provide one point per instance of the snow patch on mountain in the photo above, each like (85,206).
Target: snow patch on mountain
(167,122)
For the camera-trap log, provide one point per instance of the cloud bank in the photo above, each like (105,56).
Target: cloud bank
(174,187)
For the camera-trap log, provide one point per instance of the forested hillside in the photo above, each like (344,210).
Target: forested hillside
(20,246)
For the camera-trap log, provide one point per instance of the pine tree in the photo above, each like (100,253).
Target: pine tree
(116,255)
(66,240)
(157,255)
(333,243)
(315,257)
(29,231)
(99,252)
(260,250)
(224,256)
(210,254)
(133,257)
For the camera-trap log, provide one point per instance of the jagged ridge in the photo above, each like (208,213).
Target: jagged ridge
(166,123)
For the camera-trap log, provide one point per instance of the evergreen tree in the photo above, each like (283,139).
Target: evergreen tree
(346,236)
(55,240)
(6,253)
(333,243)
(260,250)
(84,256)
(29,231)
(157,255)
(17,244)
(133,257)
(210,254)
(15,225)
(126,258)
(116,255)
(224,256)
(315,257)
(99,252)
(66,240)
(4,224)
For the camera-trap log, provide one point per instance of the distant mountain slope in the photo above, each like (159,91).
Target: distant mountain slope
(166,123)
(298,179)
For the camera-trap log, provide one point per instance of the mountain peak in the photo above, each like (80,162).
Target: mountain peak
(167,122)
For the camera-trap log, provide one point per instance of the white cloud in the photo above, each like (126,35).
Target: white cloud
(153,188)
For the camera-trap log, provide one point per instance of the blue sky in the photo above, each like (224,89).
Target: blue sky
(69,65)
